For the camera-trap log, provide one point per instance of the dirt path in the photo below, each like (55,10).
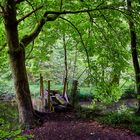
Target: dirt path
(59,126)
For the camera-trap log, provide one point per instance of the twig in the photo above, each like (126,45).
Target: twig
(61,4)
(100,4)
(29,14)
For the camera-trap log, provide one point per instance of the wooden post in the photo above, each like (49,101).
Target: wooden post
(74,92)
(42,93)
(49,103)
(41,87)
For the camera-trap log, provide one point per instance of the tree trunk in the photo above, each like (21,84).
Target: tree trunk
(17,62)
(66,69)
(134,50)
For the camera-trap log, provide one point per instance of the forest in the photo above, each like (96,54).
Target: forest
(69,69)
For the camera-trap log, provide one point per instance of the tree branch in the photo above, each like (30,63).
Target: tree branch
(82,11)
(30,4)
(61,4)
(69,12)
(29,14)
(29,38)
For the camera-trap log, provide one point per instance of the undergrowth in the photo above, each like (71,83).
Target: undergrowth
(124,117)
(9,126)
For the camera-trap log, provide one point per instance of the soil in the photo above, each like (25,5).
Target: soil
(65,126)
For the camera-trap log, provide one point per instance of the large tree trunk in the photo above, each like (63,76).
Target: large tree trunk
(134,50)
(17,61)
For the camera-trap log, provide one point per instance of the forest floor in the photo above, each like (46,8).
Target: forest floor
(66,126)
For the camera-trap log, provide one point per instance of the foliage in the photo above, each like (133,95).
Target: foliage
(107,93)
